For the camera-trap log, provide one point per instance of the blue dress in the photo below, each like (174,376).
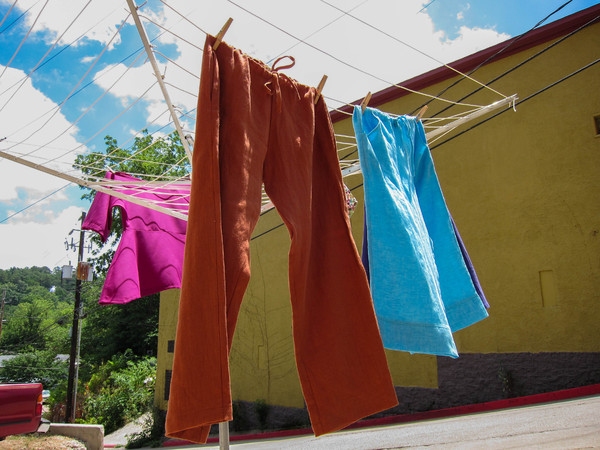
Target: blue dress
(421,288)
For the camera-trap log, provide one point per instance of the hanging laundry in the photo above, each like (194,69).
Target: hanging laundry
(149,257)
(351,201)
(463,250)
(469,264)
(256,125)
(421,288)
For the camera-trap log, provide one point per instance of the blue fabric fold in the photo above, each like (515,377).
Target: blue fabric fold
(421,288)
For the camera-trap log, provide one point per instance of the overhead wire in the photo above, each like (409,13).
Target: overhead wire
(318,30)
(109,123)
(9,26)
(530,58)
(35,203)
(56,110)
(519,102)
(364,72)
(86,111)
(170,31)
(412,47)
(491,57)
(8,12)
(77,39)
(183,16)
(23,40)
(45,54)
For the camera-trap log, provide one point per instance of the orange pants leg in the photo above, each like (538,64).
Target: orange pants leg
(250,118)
(339,353)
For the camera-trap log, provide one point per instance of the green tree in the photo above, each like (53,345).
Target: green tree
(35,367)
(111,329)
(36,319)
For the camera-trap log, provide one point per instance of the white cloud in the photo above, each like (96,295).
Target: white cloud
(34,236)
(460,15)
(26,135)
(32,244)
(386,59)
(98,21)
(473,40)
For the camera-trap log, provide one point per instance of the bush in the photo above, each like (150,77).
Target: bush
(35,367)
(117,395)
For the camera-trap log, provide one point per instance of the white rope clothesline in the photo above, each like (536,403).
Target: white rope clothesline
(166,183)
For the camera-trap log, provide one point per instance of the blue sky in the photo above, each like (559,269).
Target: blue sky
(445,29)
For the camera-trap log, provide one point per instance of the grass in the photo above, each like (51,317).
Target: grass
(40,441)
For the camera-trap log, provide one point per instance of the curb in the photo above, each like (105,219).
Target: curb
(564,394)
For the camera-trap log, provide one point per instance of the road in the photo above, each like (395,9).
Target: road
(569,424)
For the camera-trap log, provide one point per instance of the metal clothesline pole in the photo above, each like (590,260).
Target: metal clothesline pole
(159,77)
(224,426)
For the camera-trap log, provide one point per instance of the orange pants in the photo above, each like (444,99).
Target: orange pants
(255,125)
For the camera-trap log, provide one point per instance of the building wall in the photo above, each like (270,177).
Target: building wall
(523,189)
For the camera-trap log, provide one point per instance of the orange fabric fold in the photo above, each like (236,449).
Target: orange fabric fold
(257,125)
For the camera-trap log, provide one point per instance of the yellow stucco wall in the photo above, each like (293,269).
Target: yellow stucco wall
(523,189)
(167,327)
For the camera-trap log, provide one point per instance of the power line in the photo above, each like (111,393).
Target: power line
(502,50)
(24,39)
(414,48)
(18,18)
(35,203)
(521,101)
(347,64)
(544,50)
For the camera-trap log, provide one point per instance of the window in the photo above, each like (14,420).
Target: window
(168,374)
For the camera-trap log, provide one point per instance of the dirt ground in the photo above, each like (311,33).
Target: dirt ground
(38,441)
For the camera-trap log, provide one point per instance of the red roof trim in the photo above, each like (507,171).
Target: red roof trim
(538,36)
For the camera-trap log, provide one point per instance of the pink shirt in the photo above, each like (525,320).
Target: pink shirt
(149,257)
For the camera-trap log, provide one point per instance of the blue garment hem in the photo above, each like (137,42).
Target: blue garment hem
(465,313)
(417,337)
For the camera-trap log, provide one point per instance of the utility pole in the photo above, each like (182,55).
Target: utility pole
(75,335)
(2,311)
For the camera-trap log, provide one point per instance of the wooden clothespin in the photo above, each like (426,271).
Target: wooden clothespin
(320,88)
(365,102)
(421,112)
(222,33)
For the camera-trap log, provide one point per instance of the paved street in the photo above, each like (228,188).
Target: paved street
(570,424)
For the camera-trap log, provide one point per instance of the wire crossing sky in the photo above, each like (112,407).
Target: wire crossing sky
(68,78)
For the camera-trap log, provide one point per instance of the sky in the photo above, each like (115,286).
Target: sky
(69,76)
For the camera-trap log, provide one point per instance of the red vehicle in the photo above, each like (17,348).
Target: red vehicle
(20,408)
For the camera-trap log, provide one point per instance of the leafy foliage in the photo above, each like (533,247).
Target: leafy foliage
(147,156)
(120,391)
(112,329)
(35,367)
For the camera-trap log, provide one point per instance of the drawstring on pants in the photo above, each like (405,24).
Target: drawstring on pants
(277,90)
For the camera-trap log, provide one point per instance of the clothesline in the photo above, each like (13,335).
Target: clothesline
(345,144)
